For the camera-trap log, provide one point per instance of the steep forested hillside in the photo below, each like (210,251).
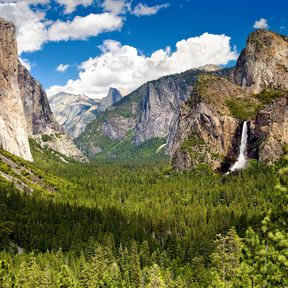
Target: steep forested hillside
(112,225)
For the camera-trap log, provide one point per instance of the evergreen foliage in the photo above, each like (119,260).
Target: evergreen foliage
(128,225)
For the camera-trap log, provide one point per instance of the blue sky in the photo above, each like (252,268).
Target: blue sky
(171,22)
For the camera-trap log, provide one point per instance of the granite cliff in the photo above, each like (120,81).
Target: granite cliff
(25,111)
(13,125)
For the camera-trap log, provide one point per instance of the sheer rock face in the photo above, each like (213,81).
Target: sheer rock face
(117,128)
(158,108)
(13,126)
(263,63)
(40,119)
(160,104)
(270,130)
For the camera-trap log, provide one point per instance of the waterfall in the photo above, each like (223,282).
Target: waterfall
(241,160)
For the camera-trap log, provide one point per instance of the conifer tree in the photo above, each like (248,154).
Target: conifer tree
(65,278)
(7,278)
(135,268)
(226,258)
(155,278)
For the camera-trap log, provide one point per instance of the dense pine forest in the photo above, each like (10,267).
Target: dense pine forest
(144,225)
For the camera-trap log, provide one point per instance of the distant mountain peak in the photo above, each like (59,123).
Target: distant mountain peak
(113,96)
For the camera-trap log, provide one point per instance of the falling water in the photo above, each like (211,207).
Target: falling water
(241,160)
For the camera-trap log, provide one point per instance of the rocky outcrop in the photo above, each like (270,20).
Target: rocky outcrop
(73,112)
(263,63)
(113,97)
(13,126)
(206,128)
(269,131)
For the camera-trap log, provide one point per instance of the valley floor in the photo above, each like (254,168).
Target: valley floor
(127,225)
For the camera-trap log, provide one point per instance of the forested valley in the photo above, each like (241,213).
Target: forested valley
(144,225)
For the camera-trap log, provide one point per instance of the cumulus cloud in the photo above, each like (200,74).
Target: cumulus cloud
(144,10)
(71,5)
(84,27)
(62,68)
(33,2)
(123,67)
(261,24)
(116,7)
(34,30)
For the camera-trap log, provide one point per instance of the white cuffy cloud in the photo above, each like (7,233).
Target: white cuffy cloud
(62,68)
(261,24)
(84,27)
(34,30)
(31,31)
(117,7)
(144,10)
(71,5)
(123,67)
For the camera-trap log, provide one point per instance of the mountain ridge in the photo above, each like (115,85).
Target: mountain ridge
(222,98)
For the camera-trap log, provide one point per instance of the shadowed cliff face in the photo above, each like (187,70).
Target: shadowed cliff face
(40,119)
(13,126)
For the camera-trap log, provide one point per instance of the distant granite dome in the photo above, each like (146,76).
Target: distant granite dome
(73,112)
(113,97)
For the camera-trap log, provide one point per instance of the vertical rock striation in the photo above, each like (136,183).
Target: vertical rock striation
(13,125)
(39,117)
